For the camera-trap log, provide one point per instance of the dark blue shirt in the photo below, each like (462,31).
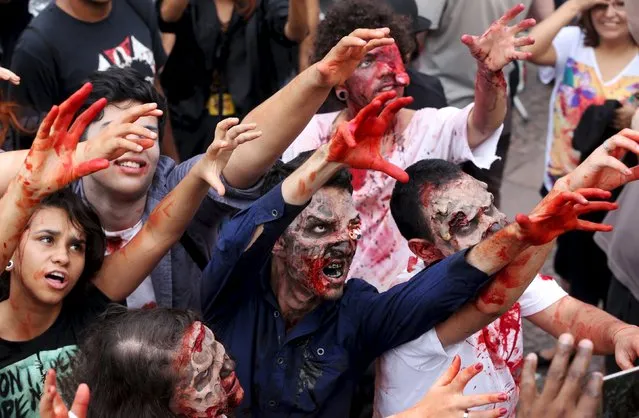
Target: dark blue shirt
(311,370)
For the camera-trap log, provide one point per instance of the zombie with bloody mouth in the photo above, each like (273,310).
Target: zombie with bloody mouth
(276,294)
(441,211)
(154,363)
(457,135)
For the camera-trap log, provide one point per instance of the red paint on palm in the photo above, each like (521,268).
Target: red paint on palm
(50,163)
(357,143)
(359,178)
(558,213)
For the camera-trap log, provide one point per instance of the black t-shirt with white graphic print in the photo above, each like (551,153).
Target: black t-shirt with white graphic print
(24,364)
(56,53)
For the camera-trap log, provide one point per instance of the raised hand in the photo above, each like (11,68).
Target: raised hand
(52,406)
(228,136)
(9,76)
(446,398)
(344,57)
(122,135)
(558,213)
(603,168)
(51,162)
(564,395)
(497,47)
(357,143)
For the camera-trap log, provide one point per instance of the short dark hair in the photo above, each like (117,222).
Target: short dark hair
(122,85)
(406,204)
(280,171)
(83,217)
(127,359)
(344,16)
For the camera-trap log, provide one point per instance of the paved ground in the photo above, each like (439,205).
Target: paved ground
(523,177)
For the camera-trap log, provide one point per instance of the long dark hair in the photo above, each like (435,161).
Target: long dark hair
(591,37)
(127,359)
(83,217)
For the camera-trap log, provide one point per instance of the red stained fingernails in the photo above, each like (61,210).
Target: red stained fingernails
(503,397)
(502,412)
(479,366)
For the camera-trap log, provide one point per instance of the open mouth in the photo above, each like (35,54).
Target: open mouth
(387,88)
(334,270)
(56,279)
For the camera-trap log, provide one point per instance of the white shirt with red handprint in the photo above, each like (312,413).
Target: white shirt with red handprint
(407,372)
(382,253)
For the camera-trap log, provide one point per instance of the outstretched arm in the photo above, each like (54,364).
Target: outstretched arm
(168,221)
(493,50)
(608,334)
(285,114)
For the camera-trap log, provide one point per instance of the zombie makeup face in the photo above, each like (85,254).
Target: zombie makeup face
(130,175)
(209,386)
(461,214)
(382,69)
(317,249)
(50,257)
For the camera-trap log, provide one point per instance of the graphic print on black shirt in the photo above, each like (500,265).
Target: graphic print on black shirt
(129,53)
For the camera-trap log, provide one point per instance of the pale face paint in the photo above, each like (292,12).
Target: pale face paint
(209,386)
(461,214)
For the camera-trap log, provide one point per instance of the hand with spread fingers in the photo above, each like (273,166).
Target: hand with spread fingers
(558,213)
(446,398)
(228,136)
(357,143)
(563,395)
(121,135)
(603,168)
(52,163)
(344,57)
(52,405)
(497,47)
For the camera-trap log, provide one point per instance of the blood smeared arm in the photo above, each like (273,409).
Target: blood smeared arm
(494,50)
(495,299)
(285,114)
(124,270)
(608,334)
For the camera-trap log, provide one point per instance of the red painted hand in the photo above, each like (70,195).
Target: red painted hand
(626,342)
(497,47)
(558,213)
(356,143)
(603,168)
(51,163)
(343,58)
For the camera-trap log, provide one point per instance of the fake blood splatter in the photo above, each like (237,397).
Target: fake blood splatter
(412,262)
(315,275)
(359,178)
(501,340)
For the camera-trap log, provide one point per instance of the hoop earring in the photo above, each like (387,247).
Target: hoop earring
(342,95)
(9,266)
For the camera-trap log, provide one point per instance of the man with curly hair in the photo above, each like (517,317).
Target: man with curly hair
(456,135)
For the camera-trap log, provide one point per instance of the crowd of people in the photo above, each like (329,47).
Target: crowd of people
(292,208)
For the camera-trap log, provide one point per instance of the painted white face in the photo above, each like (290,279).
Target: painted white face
(209,386)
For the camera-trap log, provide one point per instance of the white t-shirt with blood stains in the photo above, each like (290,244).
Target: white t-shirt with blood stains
(382,253)
(144,295)
(407,372)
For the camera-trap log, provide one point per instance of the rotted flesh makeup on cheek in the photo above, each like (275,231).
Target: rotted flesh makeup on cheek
(461,213)
(381,69)
(321,242)
(209,387)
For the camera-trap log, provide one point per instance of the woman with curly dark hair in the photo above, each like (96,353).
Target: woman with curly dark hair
(451,134)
